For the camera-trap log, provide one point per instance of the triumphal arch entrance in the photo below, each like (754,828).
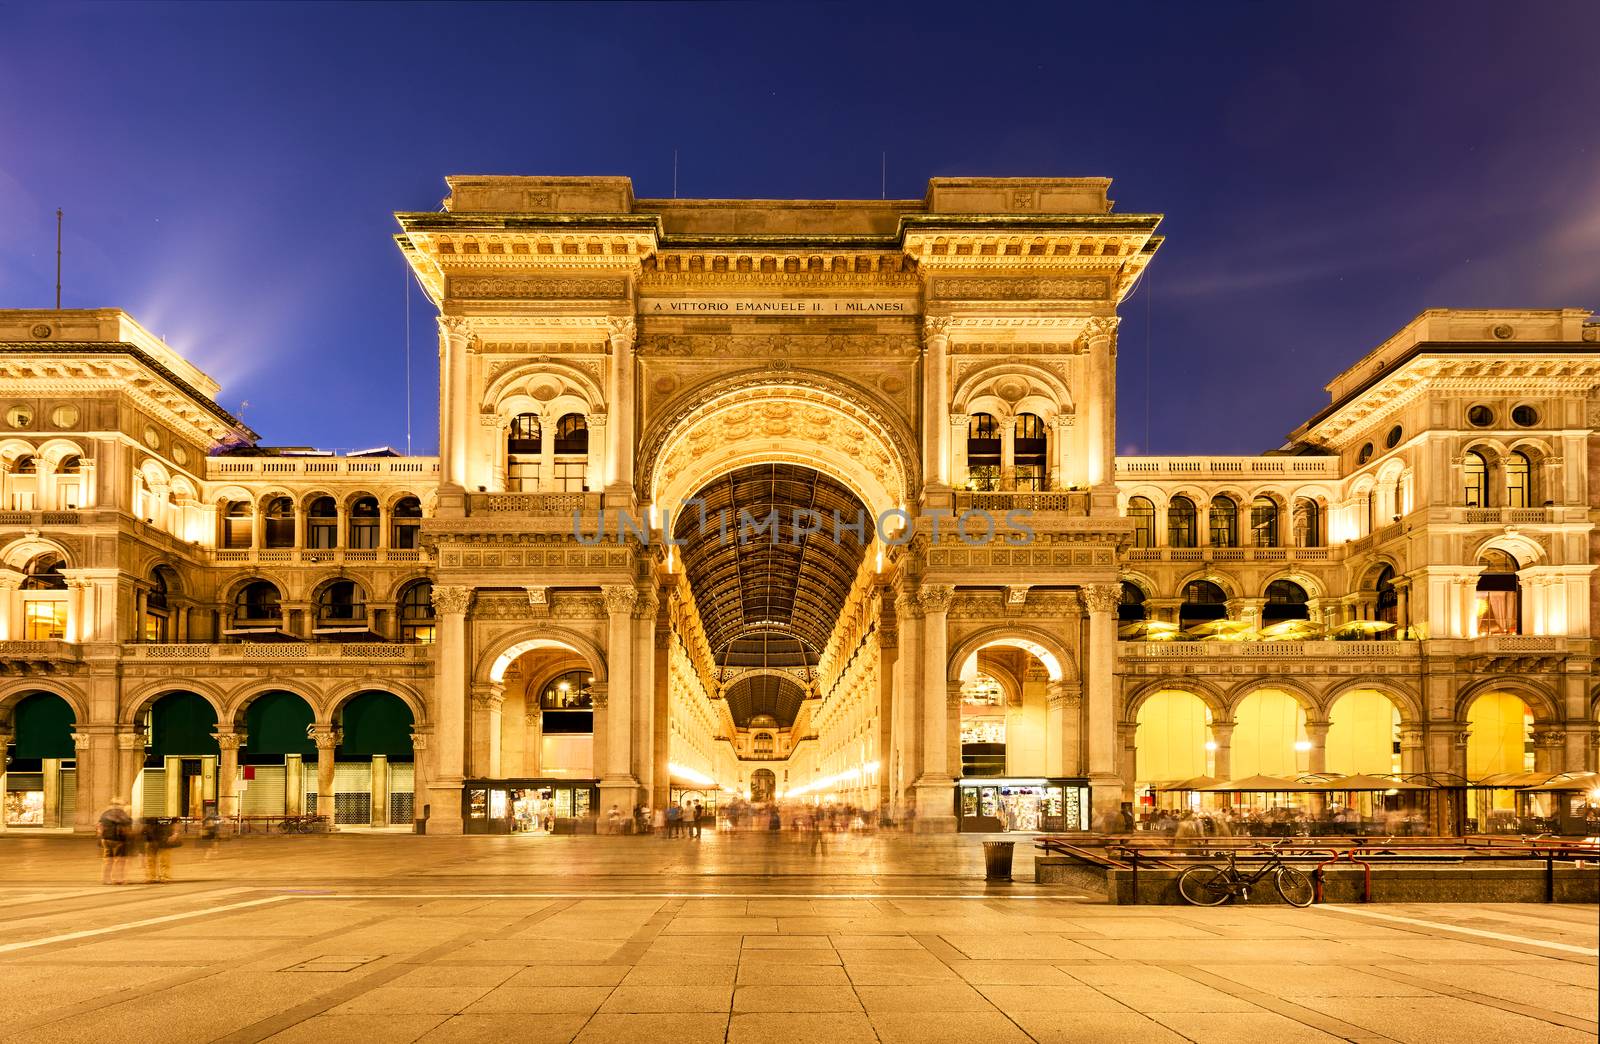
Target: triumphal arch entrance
(787,501)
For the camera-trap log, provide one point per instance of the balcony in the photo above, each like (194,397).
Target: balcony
(252,652)
(1501,516)
(1074,503)
(1236,554)
(1226,467)
(1267,650)
(230,467)
(40,519)
(41,657)
(317,556)
(536,505)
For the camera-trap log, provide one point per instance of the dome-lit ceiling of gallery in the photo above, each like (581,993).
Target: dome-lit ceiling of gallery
(768,602)
(753,695)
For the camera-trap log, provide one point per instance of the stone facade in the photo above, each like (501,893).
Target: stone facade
(949,362)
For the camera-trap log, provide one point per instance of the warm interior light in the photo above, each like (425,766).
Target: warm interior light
(1303,745)
(1211,744)
(688,774)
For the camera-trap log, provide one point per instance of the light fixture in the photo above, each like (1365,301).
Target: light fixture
(1211,744)
(1303,745)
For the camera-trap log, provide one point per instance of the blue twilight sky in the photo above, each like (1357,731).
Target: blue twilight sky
(229,173)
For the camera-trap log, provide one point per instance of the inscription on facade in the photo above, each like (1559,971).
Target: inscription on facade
(764,305)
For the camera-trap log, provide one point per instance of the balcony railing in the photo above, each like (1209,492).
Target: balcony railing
(1496,516)
(38,519)
(1069,502)
(39,651)
(1234,554)
(277,651)
(548,505)
(316,556)
(1266,650)
(232,466)
(1195,467)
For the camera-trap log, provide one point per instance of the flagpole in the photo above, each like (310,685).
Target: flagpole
(58,259)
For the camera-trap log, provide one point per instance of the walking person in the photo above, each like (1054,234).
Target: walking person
(158,845)
(113,829)
(674,819)
(694,824)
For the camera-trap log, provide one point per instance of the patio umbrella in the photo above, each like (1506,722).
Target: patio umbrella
(1290,630)
(1362,781)
(1148,630)
(1571,781)
(1365,628)
(1192,783)
(1261,784)
(1218,627)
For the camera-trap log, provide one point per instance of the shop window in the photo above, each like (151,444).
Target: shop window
(1518,473)
(1203,601)
(1264,522)
(983,727)
(341,602)
(416,613)
(1499,601)
(44,619)
(1181,522)
(322,524)
(364,523)
(407,525)
(257,601)
(278,523)
(983,452)
(1224,522)
(1388,599)
(1028,445)
(1131,609)
(1285,600)
(237,525)
(1143,514)
(1475,481)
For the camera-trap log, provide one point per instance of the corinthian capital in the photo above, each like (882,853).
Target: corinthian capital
(451,599)
(936,326)
(622,330)
(227,740)
(620,598)
(936,598)
(456,328)
(1101,598)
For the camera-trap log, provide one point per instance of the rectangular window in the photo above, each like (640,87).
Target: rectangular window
(569,476)
(364,533)
(323,535)
(44,620)
(1030,477)
(404,536)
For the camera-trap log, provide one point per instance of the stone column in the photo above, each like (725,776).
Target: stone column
(547,452)
(619,786)
(327,740)
(1063,709)
(1317,734)
(1413,749)
(1550,750)
(5,759)
(421,795)
(594,467)
(1060,460)
(294,785)
(450,605)
(455,340)
(380,790)
(958,449)
(487,704)
(935,402)
(88,769)
(533,737)
(619,407)
(1222,756)
(935,786)
(50,782)
(1008,453)
(173,778)
(1100,408)
(599,696)
(1101,602)
(228,773)
(952,702)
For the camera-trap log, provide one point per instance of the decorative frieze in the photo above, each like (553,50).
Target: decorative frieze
(1018,289)
(533,288)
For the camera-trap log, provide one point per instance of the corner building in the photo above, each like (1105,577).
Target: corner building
(582,601)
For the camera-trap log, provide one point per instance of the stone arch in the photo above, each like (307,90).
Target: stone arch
(391,593)
(506,397)
(784,417)
(1229,584)
(241,698)
(1042,645)
(492,663)
(1313,585)
(23,550)
(11,694)
(58,449)
(229,589)
(145,696)
(1525,549)
(1399,693)
(1143,581)
(1033,388)
(1007,679)
(1207,693)
(1301,693)
(335,699)
(1542,701)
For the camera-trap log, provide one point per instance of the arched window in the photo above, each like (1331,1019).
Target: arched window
(406,531)
(1264,522)
(237,524)
(364,523)
(983,452)
(1131,609)
(1499,604)
(415,610)
(43,573)
(983,727)
(341,602)
(1203,601)
(572,448)
(278,523)
(1181,522)
(762,744)
(1475,481)
(523,442)
(1308,522)
(1028,454)
(1143,513)
(570,691)
(323,524)
(1224,522)
(1285,600)
(69,481)
(1519,472)
(156,624)
(523,436)
(26,464)
(1388,599)
(257,601)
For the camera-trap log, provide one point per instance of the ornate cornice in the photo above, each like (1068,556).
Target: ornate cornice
(448,600)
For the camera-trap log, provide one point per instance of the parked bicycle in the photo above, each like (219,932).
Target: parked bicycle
(1210,885)
(302,824)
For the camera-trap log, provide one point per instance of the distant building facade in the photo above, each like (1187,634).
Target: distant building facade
(804,500)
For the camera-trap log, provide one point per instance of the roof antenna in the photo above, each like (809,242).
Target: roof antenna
(407,267)
(883,184)
(58,259)
(674,173)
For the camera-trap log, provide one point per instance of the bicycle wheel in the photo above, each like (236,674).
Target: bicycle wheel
(1203,885)
(1294,886)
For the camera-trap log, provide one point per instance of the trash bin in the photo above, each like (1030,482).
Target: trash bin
(997,860)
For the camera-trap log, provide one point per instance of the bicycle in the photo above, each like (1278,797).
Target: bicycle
(1210,885)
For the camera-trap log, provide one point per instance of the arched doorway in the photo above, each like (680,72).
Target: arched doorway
(1172,744)
(38,768)
(374,768)
(1363,734)
(1499,748)
(763,786)
(277,743)
(1269,736)
(179,777)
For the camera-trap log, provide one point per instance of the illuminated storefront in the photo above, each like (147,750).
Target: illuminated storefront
(530,806)
(1023,805)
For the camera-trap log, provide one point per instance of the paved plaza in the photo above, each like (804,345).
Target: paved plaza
(383,937)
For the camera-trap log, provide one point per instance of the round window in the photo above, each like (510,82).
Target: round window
(1365,454)
(1524,416)
(64,416)
(152,437)
(1480,416)
(180,456)
(20,416)
(1391,440)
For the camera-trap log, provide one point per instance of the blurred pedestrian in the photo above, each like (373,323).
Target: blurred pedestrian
(694,824)
(114,830)
(158,845)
